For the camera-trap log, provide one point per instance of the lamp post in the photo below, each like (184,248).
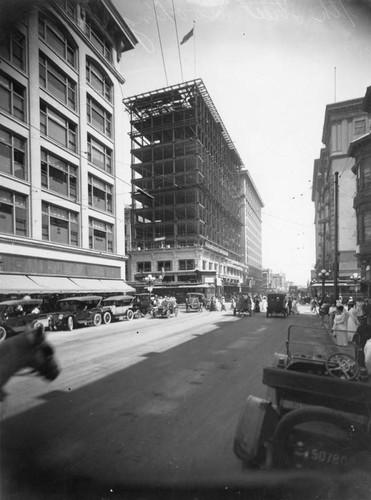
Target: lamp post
(312,285)
(149,280)
(356,278)
(323,274)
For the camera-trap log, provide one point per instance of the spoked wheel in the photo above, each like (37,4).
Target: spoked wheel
(342,365)
(107,318)
(97,319)
(129,314)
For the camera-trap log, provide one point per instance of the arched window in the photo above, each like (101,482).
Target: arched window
(56,37)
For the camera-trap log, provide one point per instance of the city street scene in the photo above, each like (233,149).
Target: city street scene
(185,249)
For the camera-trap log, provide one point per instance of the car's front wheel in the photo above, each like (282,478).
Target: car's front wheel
(97,319)
(2,333)
(129,314)
(70,323)
(107,317)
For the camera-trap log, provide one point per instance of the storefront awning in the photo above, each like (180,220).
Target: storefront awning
(56,284)
(24,284)
(17,283)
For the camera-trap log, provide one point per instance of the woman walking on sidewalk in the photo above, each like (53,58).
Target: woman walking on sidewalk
(339,328)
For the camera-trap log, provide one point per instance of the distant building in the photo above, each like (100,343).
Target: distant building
(196,213)
(61,219)
(344,122)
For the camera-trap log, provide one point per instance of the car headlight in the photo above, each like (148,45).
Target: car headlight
(60,316)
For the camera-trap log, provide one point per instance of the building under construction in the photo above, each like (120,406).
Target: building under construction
(188,200)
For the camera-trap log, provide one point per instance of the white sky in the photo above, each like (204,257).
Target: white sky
(269,67)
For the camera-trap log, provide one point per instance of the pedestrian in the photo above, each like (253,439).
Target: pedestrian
(289,305)
(263,305)
(324,310)
(353,322)
(222,301)
(339,328)
(294,307)
(257,304)
(367,310)
(331,314)
(233,303)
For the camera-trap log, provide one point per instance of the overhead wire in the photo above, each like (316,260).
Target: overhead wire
(177,40)
(159,37)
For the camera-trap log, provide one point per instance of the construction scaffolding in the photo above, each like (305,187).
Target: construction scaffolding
(185,168)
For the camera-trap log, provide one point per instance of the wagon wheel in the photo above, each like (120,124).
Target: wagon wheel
(107,318)
(97,320)
(342,365)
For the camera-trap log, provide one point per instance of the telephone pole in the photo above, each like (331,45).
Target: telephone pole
(336,234)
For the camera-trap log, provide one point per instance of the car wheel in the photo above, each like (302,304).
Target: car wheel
(2,333)
(97,319)
(176,311)
(154,314)
(168,313)
(70,323)
(107,318)
(129,315)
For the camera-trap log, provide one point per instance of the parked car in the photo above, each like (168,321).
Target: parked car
(143,303)
(16,314)
(166,309)
(195,301)
(77,311)
(117,308)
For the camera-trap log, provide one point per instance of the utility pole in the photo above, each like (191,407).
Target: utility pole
(336,233)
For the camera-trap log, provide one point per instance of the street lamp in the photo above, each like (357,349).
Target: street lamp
(356,278)
(312,286)
(149,280)
(323,275)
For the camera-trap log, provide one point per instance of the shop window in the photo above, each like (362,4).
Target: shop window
(56,82)
(12,154)
(58,175)
(100,235)
(13,48)
(100,195)
(60,225)
(12,97)
(57,127)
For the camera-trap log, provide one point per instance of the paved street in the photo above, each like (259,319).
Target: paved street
(151,403)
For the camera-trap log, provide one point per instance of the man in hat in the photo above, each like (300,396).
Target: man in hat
(360,338)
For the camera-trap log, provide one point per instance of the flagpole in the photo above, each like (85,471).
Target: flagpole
(194,48)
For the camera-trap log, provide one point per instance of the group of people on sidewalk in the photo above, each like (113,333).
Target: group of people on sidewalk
(350,325)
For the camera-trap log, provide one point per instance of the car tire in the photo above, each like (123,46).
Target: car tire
(70,323)
(107,318)
(97,319)
(2,333)
(176,310)
(129,315)
(168,313)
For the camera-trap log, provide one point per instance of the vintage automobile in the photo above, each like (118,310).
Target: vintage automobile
(317,415)
(166,309)
(195,301)
(277,304)
(16,314)
(77,311)
(117,308)
(143,304)
(243,305)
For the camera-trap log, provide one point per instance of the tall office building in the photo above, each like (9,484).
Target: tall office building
(191,192)
(62,157)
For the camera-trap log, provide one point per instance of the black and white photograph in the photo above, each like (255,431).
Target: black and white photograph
(185,249)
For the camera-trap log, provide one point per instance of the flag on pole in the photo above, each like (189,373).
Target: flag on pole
(187,36)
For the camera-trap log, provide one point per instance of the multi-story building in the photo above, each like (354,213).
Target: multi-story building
(344,122)
(360,149)
(61,219)
(192,198)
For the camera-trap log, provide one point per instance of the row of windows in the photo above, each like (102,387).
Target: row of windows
(163,266)
(57,175)
(58,224)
